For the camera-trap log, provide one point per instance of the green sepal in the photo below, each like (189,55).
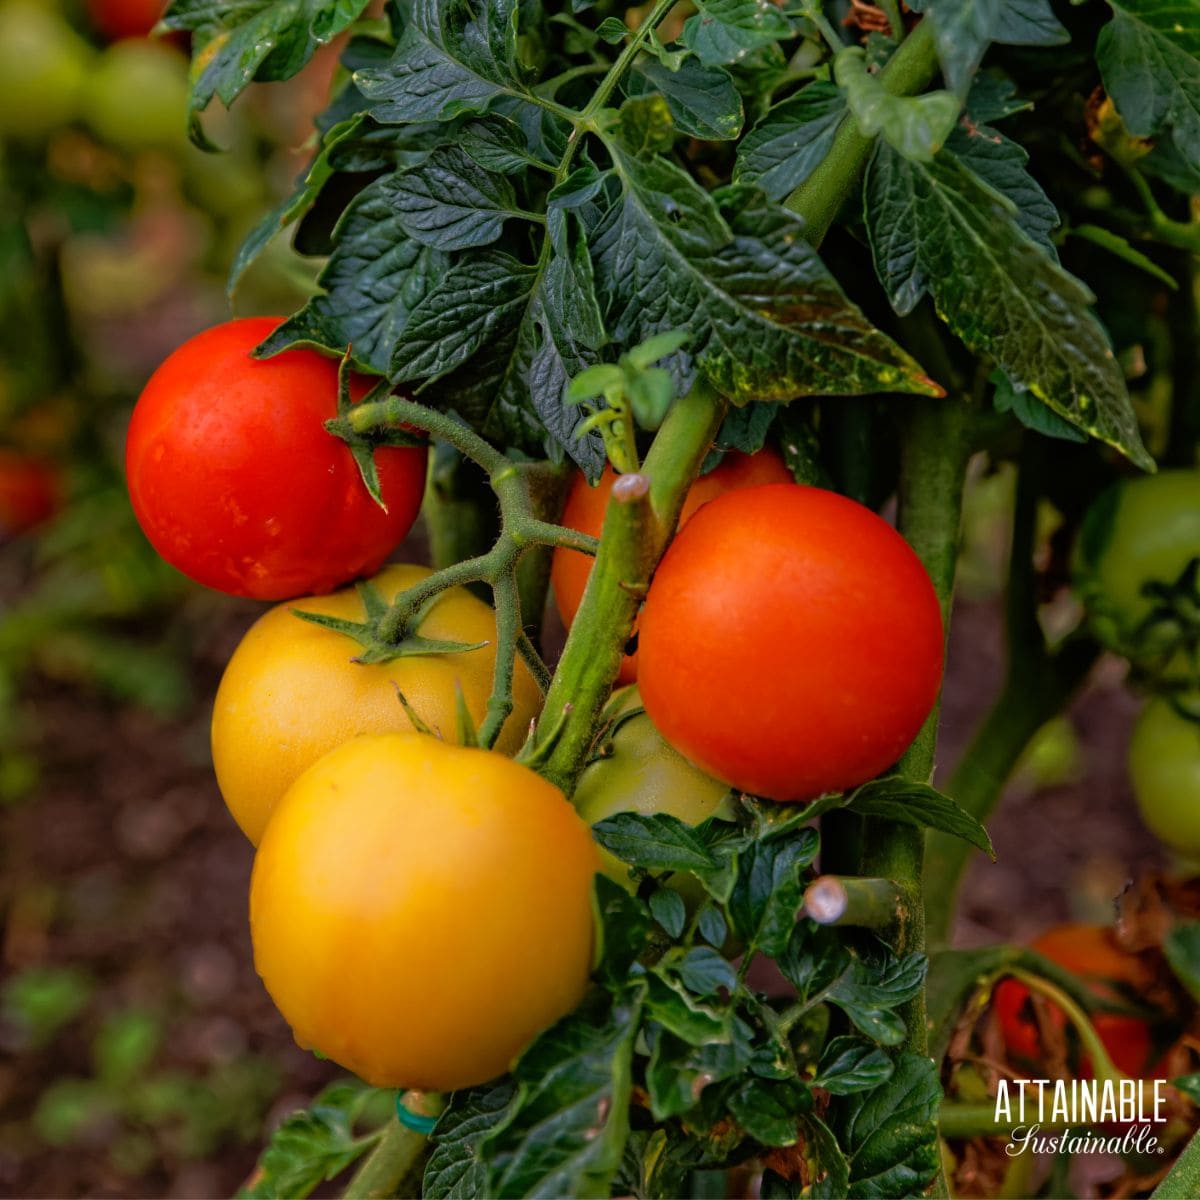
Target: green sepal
(466,729)
(418,722)
(375,651)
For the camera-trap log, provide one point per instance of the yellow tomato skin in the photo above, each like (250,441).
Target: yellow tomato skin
(420,911)
(291,693)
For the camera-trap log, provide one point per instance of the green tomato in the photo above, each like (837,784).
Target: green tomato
(1164,763)
(137,97)
(1140,531)
(641,773)
(43,64)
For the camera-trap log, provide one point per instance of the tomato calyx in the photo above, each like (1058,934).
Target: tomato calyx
(1172,626)
(377,649)
(363,444)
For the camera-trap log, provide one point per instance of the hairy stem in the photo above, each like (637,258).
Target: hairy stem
(933,467)
(394,1159)
(820,197)
(634,538)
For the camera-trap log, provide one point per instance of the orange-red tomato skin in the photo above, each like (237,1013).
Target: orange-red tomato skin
(791,642)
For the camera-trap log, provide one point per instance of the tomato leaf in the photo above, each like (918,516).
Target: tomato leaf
(680,1068)
(889,1135)
(564,1131)
(624,925)
(311,1146)
(234,44)
(936,226)
(897,799)
(769,1110)
(1031,412)
(723,31)
(1182,948)
(704,102)
(455,1170)
(449,60)
(963,29)
(769,890)
(450,202)
(782,149)
(658,842)
(669,911)
(705,972)
(768,322)
(848,1064)
(1149,58)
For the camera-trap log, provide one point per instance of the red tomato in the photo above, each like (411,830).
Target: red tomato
(791,642)
(30,493)
(1090,952)
(586,506)
(237,483)
(125,18)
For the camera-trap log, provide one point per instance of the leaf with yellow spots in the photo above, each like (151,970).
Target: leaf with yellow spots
(937,227)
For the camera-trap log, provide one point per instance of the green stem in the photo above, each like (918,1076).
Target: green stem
(934,452)
(1184,236)
(979,1120)
(507,599)
(1182,1181)
(625,58)
(869,903)
(462,519)
(820,197)
(634,538)
(1036,687)
(813,12)
(394,1159)
(895,20)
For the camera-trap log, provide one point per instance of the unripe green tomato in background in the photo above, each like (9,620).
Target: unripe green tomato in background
(1139,531)
(137,97)
(43,64)
(1164,764)
(645,775)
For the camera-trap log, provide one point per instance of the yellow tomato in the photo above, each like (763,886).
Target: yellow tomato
(291,691)
(420,912)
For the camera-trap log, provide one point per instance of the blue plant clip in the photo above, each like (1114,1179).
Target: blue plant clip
(417,1122)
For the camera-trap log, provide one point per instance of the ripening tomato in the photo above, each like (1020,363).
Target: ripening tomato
(43,64)
(236,481)
(1164,764)
(1140,531)
(586,506)
(420,911)
(1090,952)
(791,642)
(30,493)
(638,772)
(291,691)
(136,96)
(125,18)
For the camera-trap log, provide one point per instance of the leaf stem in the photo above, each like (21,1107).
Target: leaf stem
(812,12)
(628,53)
(820,197)
(395,1157)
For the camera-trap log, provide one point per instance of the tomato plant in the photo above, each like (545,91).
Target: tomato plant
(215,436)
(125,18)
(1136,564)
(586,505)
(591,251)
(635,770)
(1164,765)
(292,692)
(1090,952)
(488,863)
(807,684)
(43,65)
(30,493)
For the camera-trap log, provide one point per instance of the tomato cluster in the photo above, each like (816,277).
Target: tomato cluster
(1112,974)
(385,847)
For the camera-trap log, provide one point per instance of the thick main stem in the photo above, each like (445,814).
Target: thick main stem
(394,1160)
(635,536)
(1036,687)
(934,454)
